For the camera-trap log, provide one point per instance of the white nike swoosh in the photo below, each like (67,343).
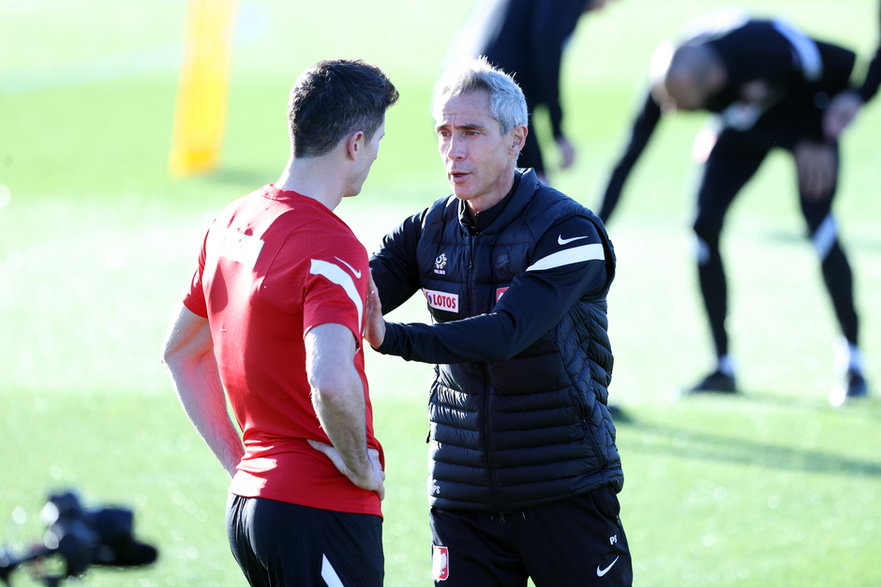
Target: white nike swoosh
(601,572)
(352,269)
(565,241)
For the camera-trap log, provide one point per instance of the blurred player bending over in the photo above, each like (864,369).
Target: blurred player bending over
(767,84)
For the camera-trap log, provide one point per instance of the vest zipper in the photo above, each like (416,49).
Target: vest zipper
(487,419)
(487,436)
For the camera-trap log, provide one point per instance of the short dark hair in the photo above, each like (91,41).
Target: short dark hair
(334,98)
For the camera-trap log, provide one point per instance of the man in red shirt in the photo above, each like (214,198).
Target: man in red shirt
(273,322)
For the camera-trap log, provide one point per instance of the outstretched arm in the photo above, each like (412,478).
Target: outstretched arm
(640,133)
(873,75)
(535,302)
(189,355)
(846,105)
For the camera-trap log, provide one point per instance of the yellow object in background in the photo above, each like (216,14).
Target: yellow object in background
(200,117)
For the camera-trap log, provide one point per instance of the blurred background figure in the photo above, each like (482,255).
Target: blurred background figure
(844,106)
(767,84)
(526,38)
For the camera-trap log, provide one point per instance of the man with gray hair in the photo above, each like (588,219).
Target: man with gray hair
(515,275)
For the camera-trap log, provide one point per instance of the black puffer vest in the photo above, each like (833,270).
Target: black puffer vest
(534,429)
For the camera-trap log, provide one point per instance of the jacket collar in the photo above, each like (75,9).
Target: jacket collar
(500,215)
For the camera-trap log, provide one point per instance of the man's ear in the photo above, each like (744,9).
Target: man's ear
(518,138)
(355,143)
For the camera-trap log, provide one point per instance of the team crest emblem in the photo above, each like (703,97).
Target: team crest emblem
(440,563)
(440,263)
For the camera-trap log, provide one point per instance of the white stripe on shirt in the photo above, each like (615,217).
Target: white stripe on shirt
(335,274)
(805,47)
(592,252)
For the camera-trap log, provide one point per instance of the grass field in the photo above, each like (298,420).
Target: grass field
(773,487)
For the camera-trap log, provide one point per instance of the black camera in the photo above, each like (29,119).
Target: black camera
(81,538)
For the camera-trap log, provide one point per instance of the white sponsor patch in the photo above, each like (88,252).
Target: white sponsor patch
(440,300)
(440,563)
(241,247)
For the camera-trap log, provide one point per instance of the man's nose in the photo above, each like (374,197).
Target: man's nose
(456,148)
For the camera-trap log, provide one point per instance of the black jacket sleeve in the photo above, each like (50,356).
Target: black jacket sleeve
(805,109)
(394,268)
(640,133)
(533,304)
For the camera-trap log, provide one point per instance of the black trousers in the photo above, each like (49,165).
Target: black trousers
(284,544)
(574,542)
(733,161)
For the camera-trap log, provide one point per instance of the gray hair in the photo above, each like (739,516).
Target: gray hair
(507,103)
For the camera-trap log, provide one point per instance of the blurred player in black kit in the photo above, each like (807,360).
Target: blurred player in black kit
(768,85)
(526,39)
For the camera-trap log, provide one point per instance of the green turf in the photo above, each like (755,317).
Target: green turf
(97,242)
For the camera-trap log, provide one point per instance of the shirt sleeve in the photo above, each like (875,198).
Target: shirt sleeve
(570,263)
(335,288)
(805,109)
(194,297)
(394,267)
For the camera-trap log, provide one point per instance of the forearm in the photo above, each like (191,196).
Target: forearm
(189,355)
(532,306)
(201,393)
(614,189)
(338,397)
(643,128)
(873,78)
(485,338)
(340,407)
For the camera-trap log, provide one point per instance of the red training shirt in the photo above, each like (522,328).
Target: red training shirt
(273,265)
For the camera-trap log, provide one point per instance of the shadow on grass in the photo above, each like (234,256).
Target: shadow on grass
(652,436)
(851,239)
